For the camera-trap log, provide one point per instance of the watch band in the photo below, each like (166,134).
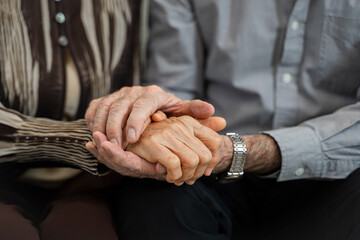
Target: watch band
(236,170)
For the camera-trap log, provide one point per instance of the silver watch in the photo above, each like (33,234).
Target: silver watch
(236,170)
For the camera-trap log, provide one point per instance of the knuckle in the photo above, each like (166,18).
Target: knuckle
(118,106)
(105,103)
(175,125)
(186,118)
(214,162)
(166,133)
(141,103)
(153,138)
(173,163)
(94,101)
(207,155)
(192,162)
(153,89)
(124,89)
(217,141)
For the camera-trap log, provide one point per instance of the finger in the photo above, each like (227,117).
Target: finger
(158,116)
(198,174)
(178,183)
(195,108)
(90,113)
(93,150)
(203,156)
(161,154)
(102,113)
(125,142)
(212,141)
(91,147)
(101,155)
(99,137)
(142,109)
(215,123)
(196,145)
(188,158)
(118,114)
(130,164)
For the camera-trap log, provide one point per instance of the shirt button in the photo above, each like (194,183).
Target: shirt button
(299,172)
(60,17)
(295,25)
(63,41)
(287,78)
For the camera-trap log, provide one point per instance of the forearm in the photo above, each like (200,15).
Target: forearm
(325,147)
(25,140)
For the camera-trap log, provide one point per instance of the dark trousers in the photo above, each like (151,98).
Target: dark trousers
(252,208)
(81,209)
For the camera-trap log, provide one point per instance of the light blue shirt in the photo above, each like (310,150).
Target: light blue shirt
(290,69)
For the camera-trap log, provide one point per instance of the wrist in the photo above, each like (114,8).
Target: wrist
(263,154)
(226,155)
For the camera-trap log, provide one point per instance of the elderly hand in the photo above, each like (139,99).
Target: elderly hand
(124,162)
(175,143)
(127,110)
(184,146)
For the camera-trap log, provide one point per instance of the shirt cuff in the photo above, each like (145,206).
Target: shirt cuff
(46,142)
(300,151)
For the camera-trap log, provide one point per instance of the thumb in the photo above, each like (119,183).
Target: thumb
(158,116)
(215,123)
(194,108)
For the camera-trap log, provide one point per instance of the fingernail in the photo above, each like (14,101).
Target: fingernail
(97,143)
(124,145)
(108,152)
(91,126)
(114,141)
(131,134)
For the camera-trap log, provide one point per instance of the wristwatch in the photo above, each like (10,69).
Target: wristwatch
(236,170)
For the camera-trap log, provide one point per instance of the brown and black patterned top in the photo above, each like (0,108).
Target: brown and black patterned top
(35,36)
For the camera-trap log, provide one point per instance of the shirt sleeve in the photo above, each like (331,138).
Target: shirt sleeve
(31,140)
(173,26)
(327,147)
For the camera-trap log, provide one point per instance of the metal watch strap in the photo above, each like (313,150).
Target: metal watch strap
(238,161)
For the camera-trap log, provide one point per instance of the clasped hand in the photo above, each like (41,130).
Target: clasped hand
(177,149)
(186,148)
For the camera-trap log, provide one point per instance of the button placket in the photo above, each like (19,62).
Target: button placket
(60,18)
(287,93)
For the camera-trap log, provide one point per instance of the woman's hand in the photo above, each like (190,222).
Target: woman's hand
(123,114)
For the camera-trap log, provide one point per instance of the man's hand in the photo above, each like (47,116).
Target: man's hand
(122,115)
(176,143)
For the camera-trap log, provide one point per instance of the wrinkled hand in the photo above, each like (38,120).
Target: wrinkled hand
(122,115)
(185,147)
(124,162)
